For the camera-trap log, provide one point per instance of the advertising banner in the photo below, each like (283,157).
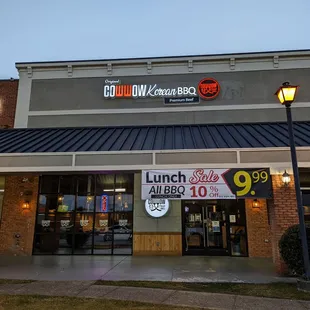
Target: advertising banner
(206,184)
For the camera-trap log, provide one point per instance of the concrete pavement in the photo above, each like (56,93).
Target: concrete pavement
(183,269)
(158,296)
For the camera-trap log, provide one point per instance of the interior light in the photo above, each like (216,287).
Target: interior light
(117,190)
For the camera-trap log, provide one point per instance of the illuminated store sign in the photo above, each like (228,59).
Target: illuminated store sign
(157,207)
(207,89)
(206,184)
(104,203)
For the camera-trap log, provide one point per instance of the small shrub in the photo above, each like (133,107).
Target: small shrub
(291,249)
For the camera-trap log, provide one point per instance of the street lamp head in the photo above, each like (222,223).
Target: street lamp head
(286,93)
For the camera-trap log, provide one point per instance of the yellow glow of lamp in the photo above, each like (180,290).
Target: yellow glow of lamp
(26,205)
(286,93)
(286,179)
(255,204)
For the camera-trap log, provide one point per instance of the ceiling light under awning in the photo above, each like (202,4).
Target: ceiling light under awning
(117,190)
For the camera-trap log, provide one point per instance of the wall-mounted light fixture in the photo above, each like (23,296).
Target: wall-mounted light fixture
(25,205)
(286,179)
(255,204)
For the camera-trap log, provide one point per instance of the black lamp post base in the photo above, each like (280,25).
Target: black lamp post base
(303,285)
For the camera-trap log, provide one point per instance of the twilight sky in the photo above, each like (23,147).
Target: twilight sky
(38,30)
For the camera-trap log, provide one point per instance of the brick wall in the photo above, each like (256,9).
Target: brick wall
(258,229)
(15,220)
(8,99)
(283,214)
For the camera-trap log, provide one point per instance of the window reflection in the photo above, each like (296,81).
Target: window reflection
(123,202)
(85,203)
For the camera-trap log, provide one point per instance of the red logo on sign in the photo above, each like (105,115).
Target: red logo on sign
(208,88)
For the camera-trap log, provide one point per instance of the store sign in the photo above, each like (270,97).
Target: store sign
(206,184)
(207,89)
(104,203)
(156,207)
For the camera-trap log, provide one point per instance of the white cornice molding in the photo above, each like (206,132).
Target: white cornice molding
(166,60)
(166,109)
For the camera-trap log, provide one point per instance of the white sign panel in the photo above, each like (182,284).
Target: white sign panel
(156,207)
(186,184)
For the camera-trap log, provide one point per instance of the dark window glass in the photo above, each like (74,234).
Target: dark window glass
(103,233)
(49,184)
(45,243)
(47,203)
(124,183)
(64,242)
(104,183)
(85,184)
(122,233)
(83,243)
(67,185)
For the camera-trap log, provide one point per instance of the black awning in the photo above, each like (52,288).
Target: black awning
(139,138)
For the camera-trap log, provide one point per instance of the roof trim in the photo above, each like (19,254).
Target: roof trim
(153,126)
(262,54)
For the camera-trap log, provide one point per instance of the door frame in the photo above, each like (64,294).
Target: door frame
(212,251)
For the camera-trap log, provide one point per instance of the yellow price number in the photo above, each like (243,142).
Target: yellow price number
(257,176)
(244,180)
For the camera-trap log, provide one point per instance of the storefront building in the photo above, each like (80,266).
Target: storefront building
(154,156)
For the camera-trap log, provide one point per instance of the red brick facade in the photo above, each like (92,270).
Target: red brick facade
(258,229)
(283,214)
(15,220)
(8,99)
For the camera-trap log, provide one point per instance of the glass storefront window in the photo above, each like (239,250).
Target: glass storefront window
(85,214)
(105,202)
(49,184)
(47,203)
(66,203)
(85,203)
(122,237)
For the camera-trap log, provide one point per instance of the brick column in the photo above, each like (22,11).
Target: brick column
(15,220)
(258,229)
(283,214)
(8,98)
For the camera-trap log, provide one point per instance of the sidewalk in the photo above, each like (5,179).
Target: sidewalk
(150,295)
(131,268)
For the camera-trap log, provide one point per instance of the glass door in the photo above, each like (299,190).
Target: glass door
(216,229)
(194,232)
(205,229)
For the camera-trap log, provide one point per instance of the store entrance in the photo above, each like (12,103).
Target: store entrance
(214,227)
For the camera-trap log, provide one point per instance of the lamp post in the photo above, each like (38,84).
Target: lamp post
(286,95)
